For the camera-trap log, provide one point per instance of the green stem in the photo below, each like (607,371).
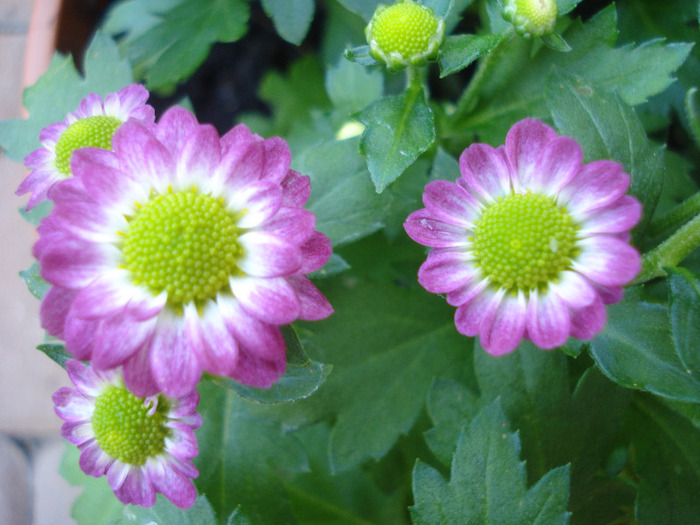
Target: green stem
(470,97)
(670,252)
(682,213)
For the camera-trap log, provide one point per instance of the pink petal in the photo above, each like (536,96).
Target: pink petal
(315,252)
(117,473)
(175,126)
(258,202)
(508,327)
(260,338)
(277,159)
(142,156)
(183,408)
(485,172)
(445,270)
(269,300)
(71,406)
(607,261)
(105,296)
(79,336)
(574,289)
(218,351)
(620,216)
(548,321)
(108,185)
(200,155)
(266,255)
(588,321)
(450,203)
(86,380)
(296,189)
(181,442)
(525,143)
(173,485)
(174,363)
(93,460)
(118,338)
(49,135)
(559,162)
(73,263)
(596,185)
(255,371)
(314,306)
(54,309)
(478,315)
(293,224)
(79,433)
(138,376)
(467,292)
(136,489)
(243,160)
(423,228)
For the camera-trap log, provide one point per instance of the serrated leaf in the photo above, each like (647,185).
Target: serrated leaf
(57,352)
(636,350)
(607,128)
(342,197)
(242,456)
(458,51)
(60,90)
(177,37)
(292,18)
(488,482)
(386,345)
(667,461)
(684,310)
(35,283)
(565,6)
(351,87)
(165,513)
(398,129)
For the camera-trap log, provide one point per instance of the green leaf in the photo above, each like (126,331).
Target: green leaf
(667,459)
(565,6)
(399,129)
(351,87)
(242,457)
(96,503)
(56,352)
(238,518)
(301,379)
(342,197)
(607,128)
(556,42)
(636,350)
(174,36)
(458,51)
(165,513)
(292,18)
(386,344)
(60,90)
(364,8)
(684,310)
(37,213)
(360,55)
(336,264)
(488,483)
(32,278)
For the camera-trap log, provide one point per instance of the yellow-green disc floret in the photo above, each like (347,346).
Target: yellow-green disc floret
(184,243)
(404,34)
(95,132)
(531,17)
(125,430)
(524,242)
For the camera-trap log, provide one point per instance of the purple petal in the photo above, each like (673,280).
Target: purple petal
(450,203)
(108,185)
(508,326)
(296,189)
(71,406)
(79,433)
(423,228)
(277,159)
(293,224)
(559,162)
(445,270)
(485,172)
(54,309)
(181,442)
(548,321)
(138,376)
(174,363)
(136,489)
(266,255)
(73,263)
(200,155)
(177,488)
(620,216)
(218,351)
(89,107)
(105,296)
(596,185)
(86,380)
(609,294)
(314,306)
(243,158)
(607,261)
(183,408)
(261,338)
(175,126)
(142,155)
(269,300)
(94,460)
(118,338)
(255,371)
(79,336)
(474,317)
(117,473)
(467,292)
(525,143)
(574,289)
(259,202)
(315,252)
(588,321)
(50,134)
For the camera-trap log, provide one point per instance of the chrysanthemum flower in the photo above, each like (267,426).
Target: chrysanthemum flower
(529,243)
(181,252)
(142,445)
(92,124)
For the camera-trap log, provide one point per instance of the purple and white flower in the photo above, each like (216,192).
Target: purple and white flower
(92,124)
(529,242)
(143,446)
(181,252)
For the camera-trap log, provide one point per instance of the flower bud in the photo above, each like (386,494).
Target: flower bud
(404,34)
(531,17)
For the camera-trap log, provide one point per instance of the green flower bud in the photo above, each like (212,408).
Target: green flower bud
(404,34)
(531,17)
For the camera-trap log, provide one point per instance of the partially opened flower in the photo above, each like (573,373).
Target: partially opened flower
(143,445)
(529,243)
(181,252)
(92,124)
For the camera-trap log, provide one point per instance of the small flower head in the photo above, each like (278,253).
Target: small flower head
(529,243)
(404,34)
(531,17)
(181,252)
(93,124)
(143,445)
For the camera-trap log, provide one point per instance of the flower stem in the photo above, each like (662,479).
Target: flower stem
(470,97)
(670,252)
(685,211)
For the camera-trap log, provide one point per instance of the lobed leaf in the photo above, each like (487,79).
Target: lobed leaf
(684,311)
(459,51)
(292,18)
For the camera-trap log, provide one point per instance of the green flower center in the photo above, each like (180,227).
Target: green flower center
(125,430)
(95,132)
(184,243)
(532,17)
(404,28)
(524,242)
